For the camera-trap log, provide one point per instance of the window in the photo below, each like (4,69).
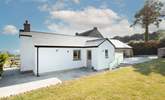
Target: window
(106,53)
(76,55)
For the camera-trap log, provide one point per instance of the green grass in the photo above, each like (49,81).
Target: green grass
(141,82)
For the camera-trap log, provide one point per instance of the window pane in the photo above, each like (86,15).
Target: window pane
(79,54)
(106,53)
(76,55)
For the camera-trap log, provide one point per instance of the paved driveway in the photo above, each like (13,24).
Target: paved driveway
(13,82)
(138,59)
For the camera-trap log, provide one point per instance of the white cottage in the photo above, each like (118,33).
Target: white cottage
(47,52)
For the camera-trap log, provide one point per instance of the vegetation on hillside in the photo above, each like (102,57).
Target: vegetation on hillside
(144,81)
(139,37)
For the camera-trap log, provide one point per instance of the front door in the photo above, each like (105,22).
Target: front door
(89,58)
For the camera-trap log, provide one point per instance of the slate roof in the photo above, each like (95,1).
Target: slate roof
(51,39)
(118,44)
(95,42)
(60,40)
(91,33)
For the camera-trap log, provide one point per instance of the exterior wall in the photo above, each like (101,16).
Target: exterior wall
(126,52)
(119,57)
(117,61)
(94,60)
(55,59)
(104,63)
(27,54)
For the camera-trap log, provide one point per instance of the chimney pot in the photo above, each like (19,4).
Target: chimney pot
(26,22)
(76,33)
(95,28)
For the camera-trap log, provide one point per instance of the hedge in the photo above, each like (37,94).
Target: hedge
(146,48)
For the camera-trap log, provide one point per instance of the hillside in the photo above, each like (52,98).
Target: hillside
(153,36)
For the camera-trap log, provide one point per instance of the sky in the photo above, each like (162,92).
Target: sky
(112,17)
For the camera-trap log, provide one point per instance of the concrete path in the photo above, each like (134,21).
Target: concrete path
(24,87)
(138,59)
(13,82)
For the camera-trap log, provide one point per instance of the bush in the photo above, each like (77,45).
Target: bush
(3,58)
(145,48)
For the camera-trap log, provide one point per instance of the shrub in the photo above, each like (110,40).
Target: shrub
(145,48)
(3,58)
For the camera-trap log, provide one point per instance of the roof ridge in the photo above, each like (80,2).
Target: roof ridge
(51,33)
(96,39)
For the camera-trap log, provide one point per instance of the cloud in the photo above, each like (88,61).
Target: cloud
(76,1)
(17,51)
(44,7)
(153,28)
(109,22)
(48,5)
(10,29)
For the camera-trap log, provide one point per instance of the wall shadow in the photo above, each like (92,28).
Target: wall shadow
(154,66)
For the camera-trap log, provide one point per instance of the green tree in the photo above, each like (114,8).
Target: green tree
(3,58)
(149,14)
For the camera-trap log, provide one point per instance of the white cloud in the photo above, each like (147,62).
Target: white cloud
(153,28)
(17,51)
(10,29)
(44,7)
(76,1)
(108,21)
(50,5)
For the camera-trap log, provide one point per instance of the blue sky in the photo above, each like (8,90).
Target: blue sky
(63,16)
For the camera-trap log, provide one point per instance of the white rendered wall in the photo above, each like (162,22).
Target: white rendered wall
(55,59)
(27,53)
(118,60)
(119,57)
(103,62)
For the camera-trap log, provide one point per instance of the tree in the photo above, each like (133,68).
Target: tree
(149,14)
(3,58)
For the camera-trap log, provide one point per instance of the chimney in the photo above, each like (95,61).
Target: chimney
(95,28)
(76,34)
(26,26)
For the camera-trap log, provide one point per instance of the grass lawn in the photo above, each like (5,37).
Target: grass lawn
(141,82)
